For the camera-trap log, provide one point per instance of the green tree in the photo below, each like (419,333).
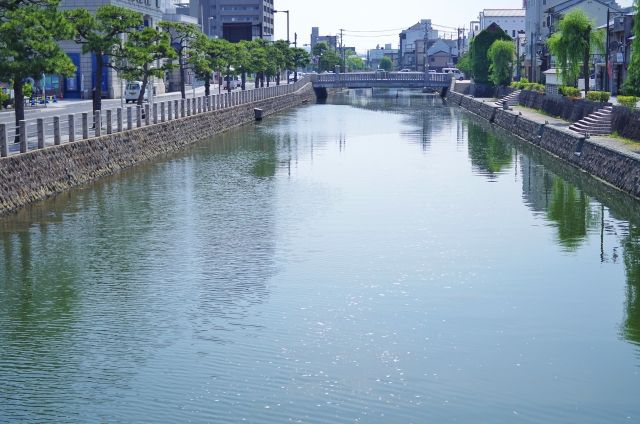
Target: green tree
(102,35)
(478,52)
(501,55)
(572,46)
(386,64)
(182,37)
(201,63)
(143,56)
(29,35)
(320,48)
(464,64)
(259,60)
(631,86)
(354,62)
(281,57)
(300,59)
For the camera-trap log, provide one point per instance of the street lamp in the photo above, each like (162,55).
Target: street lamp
(287,12)
(209,19)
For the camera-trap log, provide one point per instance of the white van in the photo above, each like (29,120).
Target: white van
(132,91)
(457,74)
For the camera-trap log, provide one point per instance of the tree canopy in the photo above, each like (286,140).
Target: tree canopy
(572,46)
(29,35)
(501,55)
(102,35)
(478,52)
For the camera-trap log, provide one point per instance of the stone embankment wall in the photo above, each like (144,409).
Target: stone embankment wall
(619,168)
(36,175)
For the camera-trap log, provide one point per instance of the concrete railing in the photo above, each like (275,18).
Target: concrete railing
(381,76)
(44,132)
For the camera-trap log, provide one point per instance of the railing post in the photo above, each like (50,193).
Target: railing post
(4,141)
(109,121)
(138,116)
(85,125)
(193,106)
(97,123)
(183,108)
(23,136)
(162,112)
(72,128)
(129,118)
(188,107)
(199,105)
(40,126)
(119,120)
(56,131)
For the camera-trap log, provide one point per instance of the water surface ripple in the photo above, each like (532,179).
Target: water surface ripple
(382,258)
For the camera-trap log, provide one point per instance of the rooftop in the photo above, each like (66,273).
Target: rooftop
(504,12)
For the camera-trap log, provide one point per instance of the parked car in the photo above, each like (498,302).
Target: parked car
(405,70)
(457,74)
(231,81)
(132,92)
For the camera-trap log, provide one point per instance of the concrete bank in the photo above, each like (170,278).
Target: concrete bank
(36,175)
(615,166)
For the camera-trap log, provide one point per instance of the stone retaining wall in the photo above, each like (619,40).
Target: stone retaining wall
(620,169)
(36,175)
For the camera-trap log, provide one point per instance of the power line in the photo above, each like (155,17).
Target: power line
(378,30)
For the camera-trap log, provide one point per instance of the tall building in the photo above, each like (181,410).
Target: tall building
(235,20)
(80,84)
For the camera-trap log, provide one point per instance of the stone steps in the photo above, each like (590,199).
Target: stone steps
(597,123)
(511,99)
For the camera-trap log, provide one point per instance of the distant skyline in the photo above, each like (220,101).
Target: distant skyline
(387,21)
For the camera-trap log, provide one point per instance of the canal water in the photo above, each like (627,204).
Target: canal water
(382,258)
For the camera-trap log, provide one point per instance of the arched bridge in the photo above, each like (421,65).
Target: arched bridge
(421,80)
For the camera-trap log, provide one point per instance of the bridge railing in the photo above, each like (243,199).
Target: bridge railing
(427,78)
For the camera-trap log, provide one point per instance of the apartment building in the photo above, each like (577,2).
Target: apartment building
(235,20)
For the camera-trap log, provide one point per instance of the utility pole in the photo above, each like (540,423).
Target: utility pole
(606,56)
(342,49)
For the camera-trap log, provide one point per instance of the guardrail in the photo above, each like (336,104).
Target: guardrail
(43,132)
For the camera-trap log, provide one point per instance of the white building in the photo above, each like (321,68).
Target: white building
(510,20)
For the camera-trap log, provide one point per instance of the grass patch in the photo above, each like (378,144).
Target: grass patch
(634,144)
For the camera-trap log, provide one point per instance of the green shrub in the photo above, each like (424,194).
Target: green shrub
(27,89)
(628,101)
(598,96)
(532,86)
(520,85)
(4,97)
(568,91)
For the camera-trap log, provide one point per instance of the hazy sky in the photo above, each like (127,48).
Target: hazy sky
(380,16)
